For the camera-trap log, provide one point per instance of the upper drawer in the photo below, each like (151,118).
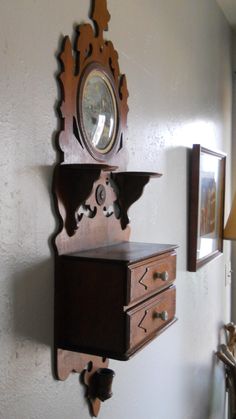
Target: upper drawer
(146,319)
(151,276)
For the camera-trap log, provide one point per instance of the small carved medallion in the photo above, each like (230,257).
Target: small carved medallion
(100,194)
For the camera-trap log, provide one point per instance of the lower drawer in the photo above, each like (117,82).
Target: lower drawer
(151,316)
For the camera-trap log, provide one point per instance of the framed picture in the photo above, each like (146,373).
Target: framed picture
(206,206)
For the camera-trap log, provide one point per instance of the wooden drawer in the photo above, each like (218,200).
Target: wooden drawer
(148,318)
(152,276)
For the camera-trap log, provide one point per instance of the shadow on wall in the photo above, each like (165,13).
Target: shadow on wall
(176,207)
(33,288)
(33,303)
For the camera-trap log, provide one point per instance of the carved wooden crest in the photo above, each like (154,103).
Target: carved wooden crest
(90,53)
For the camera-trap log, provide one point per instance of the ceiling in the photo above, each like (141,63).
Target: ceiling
(229,9)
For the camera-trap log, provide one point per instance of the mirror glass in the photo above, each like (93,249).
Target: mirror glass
(99,111)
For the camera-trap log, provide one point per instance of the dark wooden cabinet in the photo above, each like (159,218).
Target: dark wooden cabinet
(112,300)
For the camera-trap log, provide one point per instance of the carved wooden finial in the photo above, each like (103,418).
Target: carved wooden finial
(100,16)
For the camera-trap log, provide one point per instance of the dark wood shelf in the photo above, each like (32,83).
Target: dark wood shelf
(88,167)
(125,252)
(128,174)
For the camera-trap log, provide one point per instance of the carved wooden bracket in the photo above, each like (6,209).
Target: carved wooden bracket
(130,187)
(74,184)
(68,362)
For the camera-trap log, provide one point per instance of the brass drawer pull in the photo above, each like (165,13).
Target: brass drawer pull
(163,315)
(164,276)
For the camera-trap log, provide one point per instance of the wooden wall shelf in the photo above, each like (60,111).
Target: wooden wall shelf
(112,296)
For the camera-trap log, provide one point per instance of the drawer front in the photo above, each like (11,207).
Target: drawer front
(151,316)
(152,276)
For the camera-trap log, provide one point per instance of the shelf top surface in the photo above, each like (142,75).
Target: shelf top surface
(128,252)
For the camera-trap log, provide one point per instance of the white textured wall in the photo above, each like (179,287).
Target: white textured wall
(176,54)
(234,176)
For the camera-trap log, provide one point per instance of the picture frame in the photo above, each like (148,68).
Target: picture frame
(206,206)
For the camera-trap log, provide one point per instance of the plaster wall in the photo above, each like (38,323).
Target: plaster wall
(234,173)
(177,58)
